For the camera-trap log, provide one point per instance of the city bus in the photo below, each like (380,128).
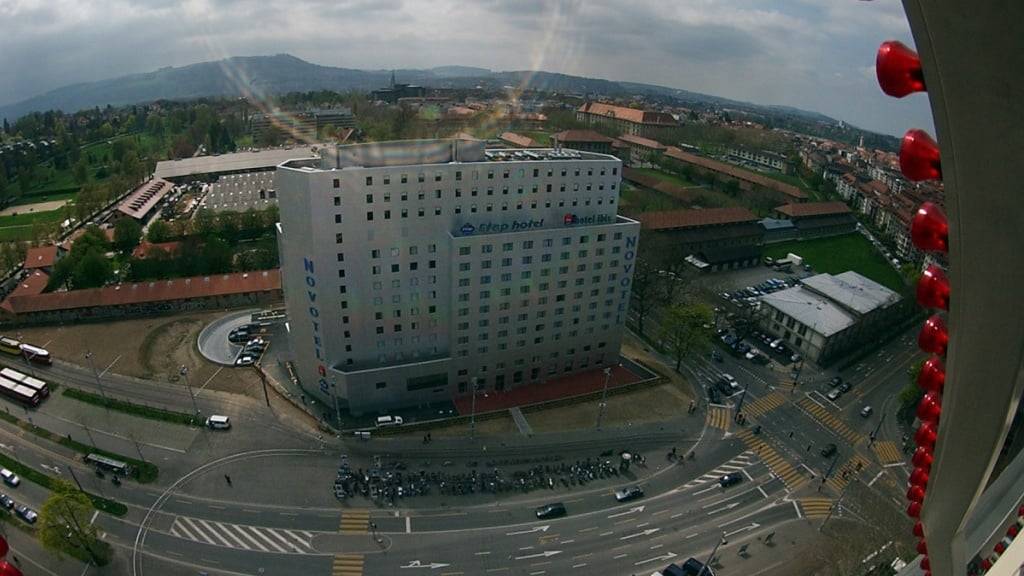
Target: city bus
(36,354)
(19,392)
(108,464)
(26,380)
(10,346)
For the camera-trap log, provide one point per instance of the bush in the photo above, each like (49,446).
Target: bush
(133,409)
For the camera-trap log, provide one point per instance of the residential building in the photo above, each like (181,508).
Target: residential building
(395,92)
(412,268)
(642,151)
(302,125)
(646,123)
(825,315)
(234,163)
(819,219)
(517,140)
(759,159)
(747,180)
(43,257)
(709,239)
(583,140)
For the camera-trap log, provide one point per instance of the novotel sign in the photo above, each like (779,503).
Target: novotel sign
(628,259)
(497,227)
(314,317)
(574,220)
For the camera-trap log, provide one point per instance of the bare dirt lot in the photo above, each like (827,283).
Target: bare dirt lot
(636,407)
(151,348)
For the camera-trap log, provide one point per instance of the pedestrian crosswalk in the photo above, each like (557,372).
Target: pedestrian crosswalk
(842,476)
(354,522)
(815,508)
(738,463)
(763,405)
(347,565)
(887,452)
(827,418)
(243,537)
(783,469)
(719,417)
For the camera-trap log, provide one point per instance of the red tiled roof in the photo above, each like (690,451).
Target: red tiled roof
(673,219)
(580,136)
(41,257)
(518,140)
(641,141)
(143,249)
(148,292)
(735,172)
(813,209)
(34,284)
(628,114)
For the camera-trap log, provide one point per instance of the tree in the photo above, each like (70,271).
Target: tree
(5,189)
(204,224)
(732,187)
(64,525)
(127,234)
(644,291)
(270,137)
(81,172)
(158,232)
(215,257)
(683,331)
(92,271)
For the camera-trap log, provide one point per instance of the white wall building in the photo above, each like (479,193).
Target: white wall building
(411,267)
(240,192)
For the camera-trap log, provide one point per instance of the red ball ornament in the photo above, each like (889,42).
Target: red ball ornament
(929,230)
(986,564)
(918,529)
(1000,548)
(923,457)
(933,288)
(1013,531)
(922,548)
(933,375)
(914,510)
(4,547)
(933,337)
(919,477)
(898,69)
(915,494)
(1020,511)
(926,564)
(930,408)
(7,569)
(919,156)
(925,435)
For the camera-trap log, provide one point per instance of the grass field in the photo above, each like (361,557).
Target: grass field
(638,199)
(15,233)
(542,138)
(664,176)
(30,218)
(839,254)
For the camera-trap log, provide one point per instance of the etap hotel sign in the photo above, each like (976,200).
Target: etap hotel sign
(574,220)
(314,317)
(468,229)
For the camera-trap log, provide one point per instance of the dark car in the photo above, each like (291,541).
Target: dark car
(835,381)
(694,567)
(845,387)
(6,501)
(630,493)
(27,514)
(730,480)
(760,359)
(724,387)
(716,355)
(713,395)
(828,450)
(555,510)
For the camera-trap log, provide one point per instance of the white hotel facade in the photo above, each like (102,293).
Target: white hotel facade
(410,268)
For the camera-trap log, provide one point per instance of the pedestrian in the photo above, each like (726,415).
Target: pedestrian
(791,433)
(227,479)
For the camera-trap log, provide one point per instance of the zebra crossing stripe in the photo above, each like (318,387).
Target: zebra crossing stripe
(245,534)
(202,535)
(226,530)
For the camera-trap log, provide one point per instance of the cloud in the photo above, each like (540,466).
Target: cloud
(814,54)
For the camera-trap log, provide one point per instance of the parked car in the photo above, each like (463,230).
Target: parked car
(866,411)
(716,355)
(27,514)
(713,395)
(795,358)
(630,493)
(731,382)
(10,478)
(245,360)
(6,501)
(828,450)
(730,480)
(554,510)
(845,387)
(834,394)
(760,359)
(775,343)
(835,381)
(218,422)
(383,421)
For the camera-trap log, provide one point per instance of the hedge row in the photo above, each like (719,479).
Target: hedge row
(50,483)
(139,410)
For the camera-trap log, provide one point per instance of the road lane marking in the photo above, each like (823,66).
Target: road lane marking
(587,529)
(693,535)
(763,493)
(579,565)
(656,546)
(665,511)
(216,507)
(676,515)
(875,479)
(616,557)
(94,515)
(566,541)
(797,508)
(497,569)
(408,525)
(482,553)
(608,533)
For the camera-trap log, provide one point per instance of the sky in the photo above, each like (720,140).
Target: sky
(817,55)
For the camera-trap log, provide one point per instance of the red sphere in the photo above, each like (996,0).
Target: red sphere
(1013,531)
(915,494)
(933,336)
(926,564)
(923,458)
(9,570)
(925,435)
(930,408)
(933,288)
(914,510)
(1000,548)
(986,564)
(922,548)
(1020,511)
(3,547)
(919,156)
(933,375)
(919,477)
(929,230)
(918,529)
(898,69)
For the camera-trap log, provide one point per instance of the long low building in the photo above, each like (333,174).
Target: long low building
(710,239)
(819,219)
(747,179)
(144,298)
(233,163)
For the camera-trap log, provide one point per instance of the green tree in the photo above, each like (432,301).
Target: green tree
(910,395)
(204,224)
(270,137)
(106,131)
(645,291)
(92,271)
(127,234)
(227,226)
(64,526)
(158,232)
(215,257)
(5,188)
(683,331)
(732,187)
(26,177)
(81,172)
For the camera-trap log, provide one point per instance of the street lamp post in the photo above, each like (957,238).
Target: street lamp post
(706,569)
(739,407)
(472,409)
(874,433)
(184,373)
(604,397)
(92,364)
(796,379)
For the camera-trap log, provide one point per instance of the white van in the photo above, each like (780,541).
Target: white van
(389,421)
(10,478)
(216,422)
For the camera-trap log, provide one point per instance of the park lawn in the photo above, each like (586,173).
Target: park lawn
(840,254)
(640,199)
(30,218)
(16,233)
(664,176)
(542,138)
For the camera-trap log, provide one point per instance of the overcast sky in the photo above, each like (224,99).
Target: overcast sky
(813,54)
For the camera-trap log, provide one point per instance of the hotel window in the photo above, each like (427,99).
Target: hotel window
(387,179)
(337,184)
(337,199)
(421,177)
(387,214)
(337,238)
(369,180)
(437,176)
(458,175)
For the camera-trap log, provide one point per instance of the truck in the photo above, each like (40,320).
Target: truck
(786,264)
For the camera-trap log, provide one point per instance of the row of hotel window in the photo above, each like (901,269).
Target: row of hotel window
(463,352)
(473,209)
(507,173)
(567,255)
(517,376)
(529,244)
(485,322)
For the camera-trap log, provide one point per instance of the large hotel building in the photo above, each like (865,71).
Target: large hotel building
(410,268)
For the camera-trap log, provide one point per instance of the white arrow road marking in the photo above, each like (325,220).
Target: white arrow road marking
(6,447)
(708,489)
(418,564)
(531,530)
(545,554)
(632,510)
(729,506)
(753,526)
(665,556)
(647,532)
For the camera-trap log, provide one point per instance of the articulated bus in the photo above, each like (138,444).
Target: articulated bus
(36,354)
(19,392)
(26,380)
(10,346)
